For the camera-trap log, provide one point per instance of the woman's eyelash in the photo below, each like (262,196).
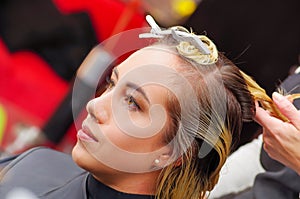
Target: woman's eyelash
(132,103)
(110,82)
(129,99)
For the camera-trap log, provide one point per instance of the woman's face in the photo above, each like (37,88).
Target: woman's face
(126,126)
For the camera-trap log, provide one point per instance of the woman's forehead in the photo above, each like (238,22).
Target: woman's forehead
(154,55)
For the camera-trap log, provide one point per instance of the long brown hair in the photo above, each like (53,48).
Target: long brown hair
(224,103)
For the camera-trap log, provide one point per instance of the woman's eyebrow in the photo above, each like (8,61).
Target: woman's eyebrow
(138,89)
(116,72)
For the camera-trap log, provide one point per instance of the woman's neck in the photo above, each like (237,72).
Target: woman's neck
(143,183)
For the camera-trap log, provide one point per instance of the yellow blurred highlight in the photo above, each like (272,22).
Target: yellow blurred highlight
(184,7)
(3,119)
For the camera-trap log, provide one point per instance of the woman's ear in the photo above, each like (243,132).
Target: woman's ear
(163,158)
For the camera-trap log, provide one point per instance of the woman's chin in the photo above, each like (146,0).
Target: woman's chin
(80,156)
(77,153)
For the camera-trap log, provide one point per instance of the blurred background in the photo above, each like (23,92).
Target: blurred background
(43,42)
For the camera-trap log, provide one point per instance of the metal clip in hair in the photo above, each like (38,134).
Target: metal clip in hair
(179,36)
(193,39)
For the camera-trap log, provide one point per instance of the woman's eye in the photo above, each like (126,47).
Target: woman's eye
(132,104)
(110,83)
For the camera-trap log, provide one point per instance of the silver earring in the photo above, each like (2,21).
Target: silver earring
(156,161)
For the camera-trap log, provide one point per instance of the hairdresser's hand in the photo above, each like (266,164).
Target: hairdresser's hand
(281,139)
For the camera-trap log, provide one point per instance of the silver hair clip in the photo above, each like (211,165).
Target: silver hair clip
(157,32)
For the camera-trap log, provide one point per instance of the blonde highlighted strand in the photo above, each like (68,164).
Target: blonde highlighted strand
(264,100)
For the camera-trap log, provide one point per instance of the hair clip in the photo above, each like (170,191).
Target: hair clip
(157,32)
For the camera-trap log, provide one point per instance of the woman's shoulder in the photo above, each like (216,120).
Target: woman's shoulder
(40,170)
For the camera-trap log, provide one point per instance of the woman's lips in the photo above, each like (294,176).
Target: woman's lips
(85,134)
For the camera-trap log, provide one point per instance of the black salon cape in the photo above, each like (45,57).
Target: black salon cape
(49,174)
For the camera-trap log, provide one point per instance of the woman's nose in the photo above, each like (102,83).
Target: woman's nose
(98,109)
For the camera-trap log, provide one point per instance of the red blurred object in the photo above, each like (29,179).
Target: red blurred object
(104,14)
(30,90)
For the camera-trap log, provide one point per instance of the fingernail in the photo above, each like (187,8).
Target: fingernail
(277,97)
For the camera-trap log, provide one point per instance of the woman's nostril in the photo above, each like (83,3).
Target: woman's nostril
(103,117)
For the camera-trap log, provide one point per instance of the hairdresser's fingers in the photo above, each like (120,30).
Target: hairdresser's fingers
(262,114)
(263,118)
(287,109)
